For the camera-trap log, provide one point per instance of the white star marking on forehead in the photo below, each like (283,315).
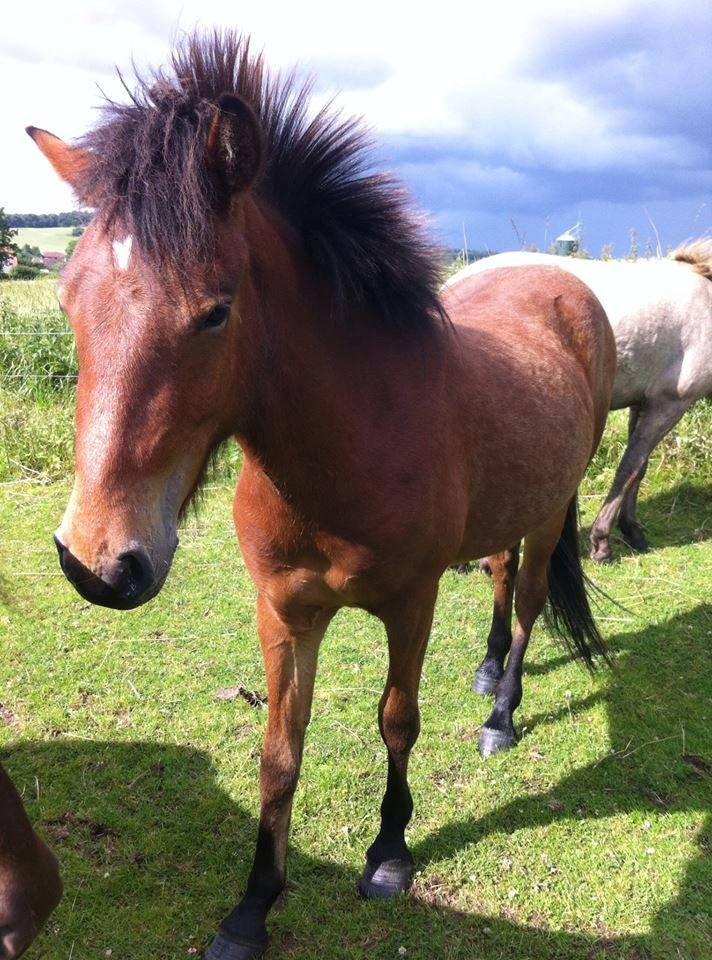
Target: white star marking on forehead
(122,252)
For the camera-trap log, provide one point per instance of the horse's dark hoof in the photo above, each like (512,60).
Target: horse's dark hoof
(463,568)
(225,947)
(484,683)
(484,567)
(636,539)
(387,879)
(494,741)
(601,552)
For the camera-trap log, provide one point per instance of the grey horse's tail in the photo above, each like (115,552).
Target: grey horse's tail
(568,612)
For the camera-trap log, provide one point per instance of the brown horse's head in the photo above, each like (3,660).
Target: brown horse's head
(30,885)
(159,343)
(228,226)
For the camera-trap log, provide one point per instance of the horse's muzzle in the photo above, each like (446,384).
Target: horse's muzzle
(125,583)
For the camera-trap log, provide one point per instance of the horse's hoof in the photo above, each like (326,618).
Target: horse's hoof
(484,683)
(463,568)
(495,741)
(484,567)
(636,539)
(225,947)
(387,879)
(602,553)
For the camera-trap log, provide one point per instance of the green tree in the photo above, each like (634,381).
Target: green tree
(70,248)
(7,235)
(29,256)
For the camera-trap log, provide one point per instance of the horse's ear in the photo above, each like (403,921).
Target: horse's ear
(235,143)
(69,162)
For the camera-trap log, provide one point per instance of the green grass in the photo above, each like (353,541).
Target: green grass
(46,238)
(590,840)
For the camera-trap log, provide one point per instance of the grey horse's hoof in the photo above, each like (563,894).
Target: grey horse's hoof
(601,552)
(635,538)
(225,947)
(387,879)
(484,683)
(495,741)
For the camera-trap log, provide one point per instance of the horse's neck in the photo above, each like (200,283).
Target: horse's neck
(323,383)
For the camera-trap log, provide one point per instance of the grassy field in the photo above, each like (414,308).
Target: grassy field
(46,238)
(590,840)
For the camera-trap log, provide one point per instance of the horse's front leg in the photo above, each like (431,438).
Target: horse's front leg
(389,864)
(656,418)
(290,654)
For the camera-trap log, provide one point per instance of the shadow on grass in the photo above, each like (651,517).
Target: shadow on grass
(678,515)
(154,850)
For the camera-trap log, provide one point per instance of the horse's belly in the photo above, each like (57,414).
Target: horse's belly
(530,473)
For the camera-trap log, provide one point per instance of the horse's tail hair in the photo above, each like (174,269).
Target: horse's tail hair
(568,612)
(698,253)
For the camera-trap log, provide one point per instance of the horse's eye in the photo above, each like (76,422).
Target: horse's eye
(216,318)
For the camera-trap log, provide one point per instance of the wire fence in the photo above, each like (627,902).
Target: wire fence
(37,353)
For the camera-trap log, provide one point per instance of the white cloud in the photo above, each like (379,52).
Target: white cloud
(517,86)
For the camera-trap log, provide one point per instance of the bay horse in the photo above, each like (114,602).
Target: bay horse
(661,314)
(247,274)
(30,884)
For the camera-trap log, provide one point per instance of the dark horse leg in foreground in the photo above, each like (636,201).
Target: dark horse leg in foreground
(311,328)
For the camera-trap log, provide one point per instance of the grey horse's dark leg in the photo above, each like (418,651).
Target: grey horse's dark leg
(655,419)
(630,527)
(503,568)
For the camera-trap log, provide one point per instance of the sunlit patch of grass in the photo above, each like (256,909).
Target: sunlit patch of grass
(590,839)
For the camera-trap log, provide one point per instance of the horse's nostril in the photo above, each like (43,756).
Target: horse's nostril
(137,573)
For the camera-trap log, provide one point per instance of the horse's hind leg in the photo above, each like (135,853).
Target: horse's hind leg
(389,864)
(530,592)
(503,568)
(655,419)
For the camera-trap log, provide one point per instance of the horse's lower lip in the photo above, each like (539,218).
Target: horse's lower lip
(94,589)
(107,598)
(119,603)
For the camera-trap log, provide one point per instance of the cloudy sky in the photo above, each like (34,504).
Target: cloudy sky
(543,113)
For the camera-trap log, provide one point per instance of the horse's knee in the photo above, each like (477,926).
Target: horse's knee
(279,775)
(399,721)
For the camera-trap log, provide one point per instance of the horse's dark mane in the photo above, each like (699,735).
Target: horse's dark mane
(148,170)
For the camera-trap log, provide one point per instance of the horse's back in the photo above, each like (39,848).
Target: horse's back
(544,313)
(660,312)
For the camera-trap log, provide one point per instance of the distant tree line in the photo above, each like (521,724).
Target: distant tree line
(72,218)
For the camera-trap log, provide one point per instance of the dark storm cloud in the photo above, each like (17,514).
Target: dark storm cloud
(643,75)
(653,63)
